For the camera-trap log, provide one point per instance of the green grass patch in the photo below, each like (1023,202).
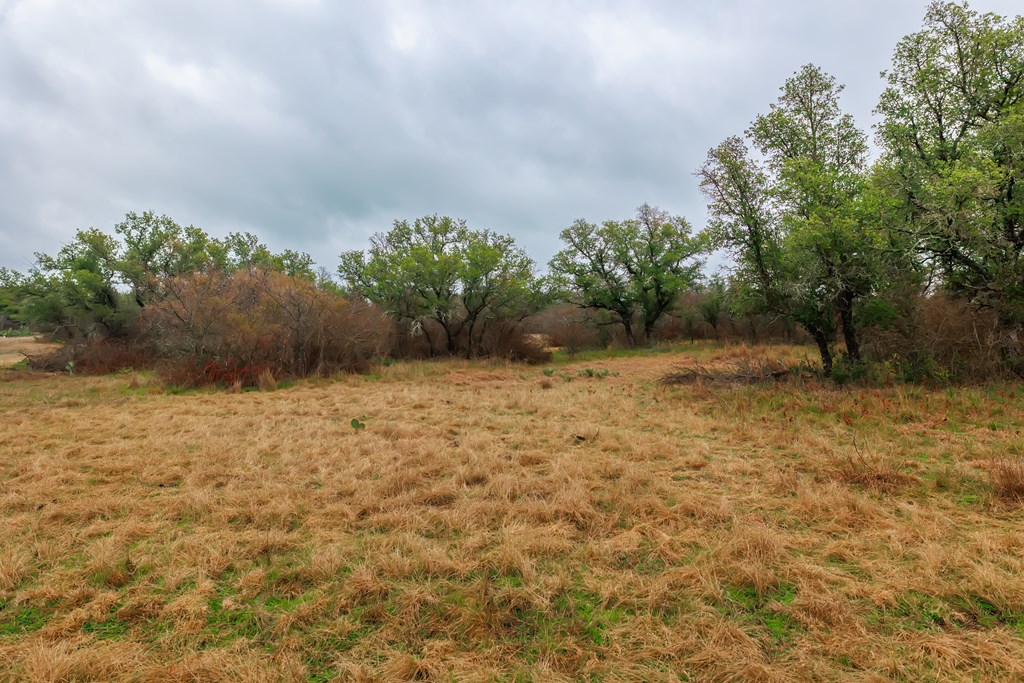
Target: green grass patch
(915,610)
(19,619)
(106,628)
(746,605)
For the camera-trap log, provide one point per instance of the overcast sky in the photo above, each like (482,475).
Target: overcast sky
(316,123)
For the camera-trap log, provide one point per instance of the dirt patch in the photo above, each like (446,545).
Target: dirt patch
(14,349)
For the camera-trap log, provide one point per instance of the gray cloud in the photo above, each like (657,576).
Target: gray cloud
(316,123)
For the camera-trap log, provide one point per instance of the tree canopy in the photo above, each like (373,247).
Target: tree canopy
(791,217)
(437,269)
(953,135)
(631,269)
(97,281)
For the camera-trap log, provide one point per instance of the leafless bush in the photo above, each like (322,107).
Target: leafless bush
(938,336)
(568,327)
(98,356)
(510,339)
(255,327)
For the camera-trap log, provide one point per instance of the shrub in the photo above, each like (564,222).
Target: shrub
(936,338)
(99,356)
(567,327)
(510,339)
(254,327)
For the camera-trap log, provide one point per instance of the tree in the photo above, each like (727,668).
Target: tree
(953,135)
(497,281)
(791,218)
(818,157)
(74,292)
(11,294)
(156,248)
(436,269)
(244,251)
(712,305)
(632,268)
(80,290)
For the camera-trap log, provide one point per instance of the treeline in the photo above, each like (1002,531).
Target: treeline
(913,259)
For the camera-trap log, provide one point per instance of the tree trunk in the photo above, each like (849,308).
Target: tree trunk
(826,353)
(469,339)
(849,331)
(649,332)
(424,325)
(452,339)
(627,324)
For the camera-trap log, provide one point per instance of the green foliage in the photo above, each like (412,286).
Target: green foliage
(436,269)
(953,134)
(598,373)
(794,219)
(155,247)
(635,267)
(11,293)
(80,292)
(713,306)
(357,424)
(74,293)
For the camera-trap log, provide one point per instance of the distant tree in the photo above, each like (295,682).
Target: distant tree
(80,291)
(155,248)
(632,268)
(74,293)
(436,269)
(11,293)
(497,281)
(953,135)
(244,251)
(712,305)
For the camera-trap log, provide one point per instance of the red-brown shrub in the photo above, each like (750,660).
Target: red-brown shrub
(98,356)
(250,327)
(568,327)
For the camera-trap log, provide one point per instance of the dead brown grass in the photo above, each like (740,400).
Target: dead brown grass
(1008,479)
(494,523)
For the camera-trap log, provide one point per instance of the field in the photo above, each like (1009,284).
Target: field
(459,521)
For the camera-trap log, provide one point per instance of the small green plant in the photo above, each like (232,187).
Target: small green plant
(357,425)
(548,372)
(599,373)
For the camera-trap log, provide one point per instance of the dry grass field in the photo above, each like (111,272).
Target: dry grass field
(503,523)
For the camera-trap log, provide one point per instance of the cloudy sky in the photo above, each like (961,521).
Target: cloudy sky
(315,123)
